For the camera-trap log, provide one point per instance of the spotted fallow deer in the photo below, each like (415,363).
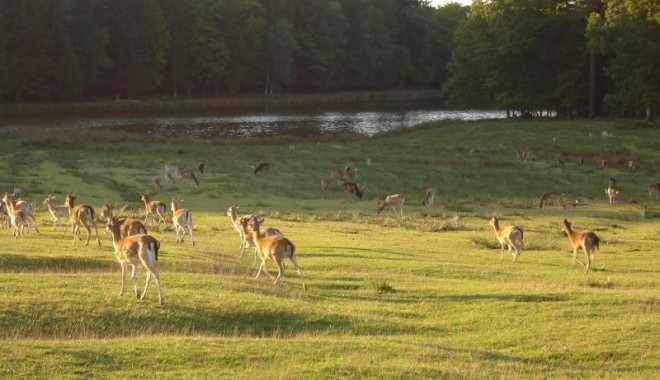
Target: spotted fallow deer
(586,240)
(393,201)
(511,236)
(81,216)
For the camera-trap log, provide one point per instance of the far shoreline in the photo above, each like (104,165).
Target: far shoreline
(244,101)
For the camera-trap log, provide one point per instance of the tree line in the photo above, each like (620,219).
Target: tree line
(576,57)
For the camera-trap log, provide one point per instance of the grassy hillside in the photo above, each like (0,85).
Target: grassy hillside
(419,296)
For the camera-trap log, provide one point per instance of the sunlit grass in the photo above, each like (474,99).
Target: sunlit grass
(423,295)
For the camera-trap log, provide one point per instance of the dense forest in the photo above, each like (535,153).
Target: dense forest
(576,57)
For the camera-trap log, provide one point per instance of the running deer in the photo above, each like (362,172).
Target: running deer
(274,248)
(510,236)
(351,188)
(17,218)
(429,198)
(248,239)
(182,220)
(81,216)
(654,188)
(612,191)
(236,223)
(393,201)
(28,211)
(586,240)
(155,209)
(57,212)
(134,250)
(548,196)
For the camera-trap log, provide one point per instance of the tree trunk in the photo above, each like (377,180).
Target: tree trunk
(592,85)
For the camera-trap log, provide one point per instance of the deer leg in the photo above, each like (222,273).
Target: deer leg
(146,284)
(190,231)
(586,270)
(295,264)
(134,279)
(123,280)
(280,269)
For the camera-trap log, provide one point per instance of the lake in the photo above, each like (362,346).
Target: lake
(362,118)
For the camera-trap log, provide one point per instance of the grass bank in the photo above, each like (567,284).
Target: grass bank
(419,296)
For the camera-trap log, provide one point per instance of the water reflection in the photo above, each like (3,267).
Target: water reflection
(365,119)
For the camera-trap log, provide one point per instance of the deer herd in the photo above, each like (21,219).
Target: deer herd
(134,247)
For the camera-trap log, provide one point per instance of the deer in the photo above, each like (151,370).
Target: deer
(202,167)
(155,182)
(511,236)
(274,248)
(393,201)
(182,220)
(171,172)
(654,188)
(28,210)
(549,196)
(337,173)
(645,211)
(133,250)
(190,176)
(248,239)
(632,165)
(17,218)
(155,209)
(81,216)
(586,240)
(612,191)
(106,212)
(260,167)
(571,205)
(236,223)
(429,198)
(325,183)
(57,212)
(351,188)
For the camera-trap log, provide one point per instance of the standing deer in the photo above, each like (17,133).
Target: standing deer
(134,250)
(171,172)
(654,188)
(351,188)
(429,198)
(17,218)
(155,209)
(57,212)
(325,183)
(81,216)
(248,239)
(190,176)
(260,167)
(182,220)
(547,197)
(236,223)
(511,236)
(274,248)
(155,182)
(612,191)
(585,239)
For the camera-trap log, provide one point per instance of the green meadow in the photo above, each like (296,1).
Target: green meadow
(423,295)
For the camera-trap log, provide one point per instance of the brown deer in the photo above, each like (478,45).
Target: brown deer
(511,236)
(17,218)
(81,216)
(325,183)
(429,198)
(236,223)
(189,175)
(612,191)
(571,205)
(585,239)
(260,167)
(106,212)
(248,239)
(155,182)
(57,212)
(393,201)
(182,220)
(155,209)
(351,188)
(549,196)
(134,250)
(654,188)
(274,248)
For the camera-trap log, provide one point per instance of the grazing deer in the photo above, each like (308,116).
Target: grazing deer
(325,183)
(17,218)
(81,216)
(202,167)
(351,188)
(274,248)
(548,196)
(571,206)
(510,236)
(236,223)
(612,191)
(393,201)
(337,173)
(248,239)
(155,209)
(190,176)
(348,171)
(155,182)
(57,212)
(182,220)
(260,167)
(585,240)
(654,188)
(134,250)
(429,198)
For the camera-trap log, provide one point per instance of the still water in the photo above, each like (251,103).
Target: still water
(363,118)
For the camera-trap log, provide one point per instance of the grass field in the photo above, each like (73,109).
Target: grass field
(419,296)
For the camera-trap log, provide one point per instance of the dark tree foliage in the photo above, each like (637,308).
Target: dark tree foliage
(576,57)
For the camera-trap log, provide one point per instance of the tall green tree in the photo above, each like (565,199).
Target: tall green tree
(629,35)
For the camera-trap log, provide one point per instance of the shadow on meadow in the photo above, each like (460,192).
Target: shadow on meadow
(24,263)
